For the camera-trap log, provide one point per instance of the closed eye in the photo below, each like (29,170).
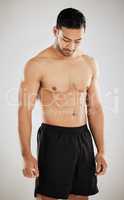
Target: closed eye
(66,40)
(76,42)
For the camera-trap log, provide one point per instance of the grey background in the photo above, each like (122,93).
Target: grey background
(26,29)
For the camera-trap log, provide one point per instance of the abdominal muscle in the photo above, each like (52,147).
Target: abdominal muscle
(64,109)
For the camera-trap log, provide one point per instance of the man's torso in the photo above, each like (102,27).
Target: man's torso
(63,89)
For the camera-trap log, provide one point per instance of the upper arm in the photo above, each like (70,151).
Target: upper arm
(93,95)
(30,85)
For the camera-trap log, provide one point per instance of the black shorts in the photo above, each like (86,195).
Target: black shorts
(66,162)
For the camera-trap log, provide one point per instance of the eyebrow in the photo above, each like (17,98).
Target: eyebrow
(70,39)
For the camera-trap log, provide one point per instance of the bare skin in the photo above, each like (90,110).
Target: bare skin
(65,82)
(71,197)
(63,92)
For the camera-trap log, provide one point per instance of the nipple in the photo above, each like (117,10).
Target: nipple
(73,113)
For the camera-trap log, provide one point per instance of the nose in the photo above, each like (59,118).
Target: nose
(71,46)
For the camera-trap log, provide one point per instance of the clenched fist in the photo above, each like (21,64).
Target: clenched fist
(30,167)
(101,164)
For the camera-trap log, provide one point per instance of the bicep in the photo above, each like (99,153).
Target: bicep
(93,93)
(29,87)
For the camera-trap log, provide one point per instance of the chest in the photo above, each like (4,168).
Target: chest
(67,77)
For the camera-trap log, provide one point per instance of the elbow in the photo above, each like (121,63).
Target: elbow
(95,110)
(24,117)
(23,114)
(25,108)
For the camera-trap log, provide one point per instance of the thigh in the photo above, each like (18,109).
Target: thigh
(60,158)
(85,179)
(57,157)
(42,197)
(77,197)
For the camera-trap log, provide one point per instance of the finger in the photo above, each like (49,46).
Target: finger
(101,173)
(36,169)
(36,164)
(103,170)
(98,167)
(34,172)
(28,172)
(25,173)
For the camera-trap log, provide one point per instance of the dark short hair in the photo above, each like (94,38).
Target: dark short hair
(71,18)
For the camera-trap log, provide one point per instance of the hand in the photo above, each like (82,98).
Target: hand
(30,167)
(101,166)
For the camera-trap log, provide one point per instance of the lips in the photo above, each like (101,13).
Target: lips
(68,51)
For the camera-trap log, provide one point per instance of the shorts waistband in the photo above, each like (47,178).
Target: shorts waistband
(67,130)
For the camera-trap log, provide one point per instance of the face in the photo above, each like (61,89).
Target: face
(68,40)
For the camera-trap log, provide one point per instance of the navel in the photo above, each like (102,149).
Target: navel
(54,88)
(73,113)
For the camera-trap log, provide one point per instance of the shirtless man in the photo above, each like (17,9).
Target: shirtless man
(65,81)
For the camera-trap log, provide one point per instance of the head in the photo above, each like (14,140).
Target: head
(69,30)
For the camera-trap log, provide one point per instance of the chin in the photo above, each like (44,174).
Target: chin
(68,54)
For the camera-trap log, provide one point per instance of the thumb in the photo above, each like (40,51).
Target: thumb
(98,167)
(36,168)
(34,172)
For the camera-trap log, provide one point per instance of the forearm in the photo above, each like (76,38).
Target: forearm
(25,129)
(96,125)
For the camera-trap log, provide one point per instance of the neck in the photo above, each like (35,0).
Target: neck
(58,52)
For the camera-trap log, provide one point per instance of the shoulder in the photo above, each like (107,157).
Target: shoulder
(45,53)
(31,67)
(39,58)
(35,66)
(34,69)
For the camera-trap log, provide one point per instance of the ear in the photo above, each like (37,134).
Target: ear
(55,31)
(83,35)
